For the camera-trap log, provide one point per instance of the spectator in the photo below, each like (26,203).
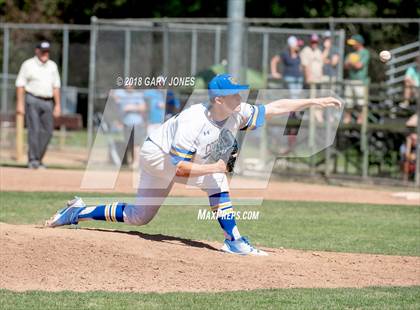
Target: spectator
(156,107)
(356,63)
(38,98)
(312,62)
(292,71)
(133,107)
(411,83)
(408,156)
(173,104)
(330,57)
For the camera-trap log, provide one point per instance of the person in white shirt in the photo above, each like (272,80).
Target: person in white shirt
(312,61)
(183,150)
(38,98)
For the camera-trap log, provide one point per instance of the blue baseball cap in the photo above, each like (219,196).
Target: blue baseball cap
(224,85)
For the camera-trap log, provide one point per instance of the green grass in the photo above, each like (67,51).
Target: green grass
(367,298)
(360,228)
(74,138)
(303,225)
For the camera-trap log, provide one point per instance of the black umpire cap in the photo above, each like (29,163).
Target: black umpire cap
(44,45)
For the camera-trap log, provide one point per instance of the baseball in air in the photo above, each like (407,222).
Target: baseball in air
(385,56)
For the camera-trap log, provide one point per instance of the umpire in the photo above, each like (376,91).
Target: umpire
(38,98)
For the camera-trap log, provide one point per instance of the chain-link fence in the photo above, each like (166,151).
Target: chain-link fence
(92,57)
(70,50)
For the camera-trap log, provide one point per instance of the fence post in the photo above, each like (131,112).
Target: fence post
(194,52)
(328,150)
(265,56)
(244,52)
(65,60)
(5,81)
(340,65)
(92,73)
(312,130)
(327,112)
(364,144)
(127,52)
(64,68)
(4,95)
(417,176)
(217,45)
(165,53)
(236,13)
(264,147)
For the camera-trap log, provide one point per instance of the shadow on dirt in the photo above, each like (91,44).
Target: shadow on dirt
(159,238)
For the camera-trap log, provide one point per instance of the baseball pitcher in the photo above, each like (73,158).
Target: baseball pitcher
(196,146)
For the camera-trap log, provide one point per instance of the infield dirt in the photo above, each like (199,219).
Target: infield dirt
(57,259)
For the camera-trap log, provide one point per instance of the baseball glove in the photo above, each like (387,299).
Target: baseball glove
(226,149)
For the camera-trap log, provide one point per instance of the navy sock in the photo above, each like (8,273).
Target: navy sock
(111,213)
(221,204)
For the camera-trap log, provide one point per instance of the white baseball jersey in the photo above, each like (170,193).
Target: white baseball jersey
(188,136)
(191,135)
(38,78)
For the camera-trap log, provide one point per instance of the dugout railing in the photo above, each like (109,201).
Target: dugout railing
(366,148)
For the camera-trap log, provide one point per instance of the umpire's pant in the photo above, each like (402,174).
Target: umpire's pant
(40,124)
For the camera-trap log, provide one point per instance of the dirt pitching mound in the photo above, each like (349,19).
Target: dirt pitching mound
(34,258)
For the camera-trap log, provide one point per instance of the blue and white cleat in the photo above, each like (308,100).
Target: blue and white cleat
(241,247)
(67,215)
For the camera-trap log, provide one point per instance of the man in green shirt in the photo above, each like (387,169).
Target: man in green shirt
(356,63)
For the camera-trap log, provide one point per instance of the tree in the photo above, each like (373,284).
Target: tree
(77,11)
